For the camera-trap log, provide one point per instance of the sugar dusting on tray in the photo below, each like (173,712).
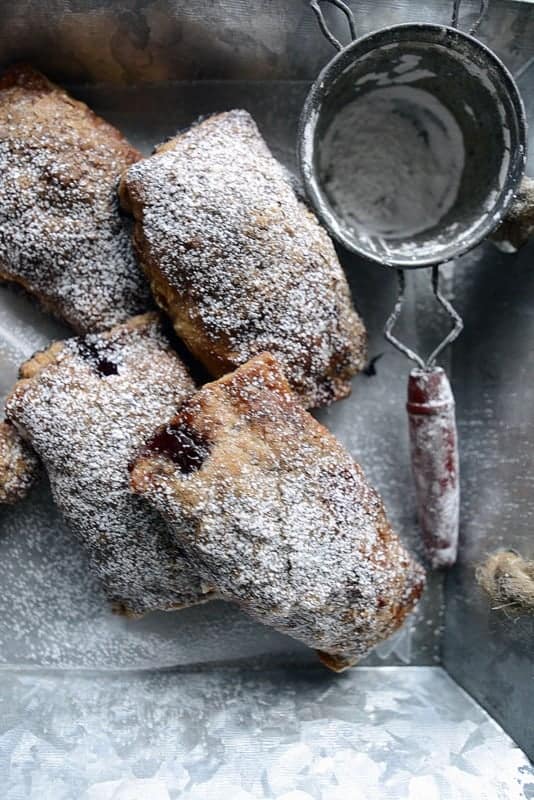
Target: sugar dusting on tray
(392,161)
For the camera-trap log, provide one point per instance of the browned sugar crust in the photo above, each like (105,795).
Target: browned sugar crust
(86,405)
(239,263)
(19,466)
(277,515)
(62,235)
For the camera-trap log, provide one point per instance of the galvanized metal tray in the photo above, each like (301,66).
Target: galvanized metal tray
(120,59)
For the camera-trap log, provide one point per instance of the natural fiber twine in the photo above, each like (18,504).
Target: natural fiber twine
(509,581)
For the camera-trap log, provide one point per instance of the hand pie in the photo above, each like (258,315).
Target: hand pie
(19,466)
(62,236)
(277,515)
(86,405)
(239,263)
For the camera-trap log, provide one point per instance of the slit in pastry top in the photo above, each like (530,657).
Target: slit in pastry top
(278,517)
(87,405)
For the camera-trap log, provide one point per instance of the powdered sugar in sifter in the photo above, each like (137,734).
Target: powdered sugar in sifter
(412,143)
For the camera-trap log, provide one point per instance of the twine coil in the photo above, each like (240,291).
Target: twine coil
(509,581)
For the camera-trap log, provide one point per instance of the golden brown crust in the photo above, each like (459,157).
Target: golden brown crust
(87,405)
(239,264)
(19,466)
(61,233)
(39,361)
(277,516)
(26,77)
(335,663)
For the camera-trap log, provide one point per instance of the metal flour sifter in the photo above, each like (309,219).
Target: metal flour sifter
(412,143)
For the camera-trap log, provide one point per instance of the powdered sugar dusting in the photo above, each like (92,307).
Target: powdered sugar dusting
(392,161)
(280,518)
(239,262)
(61,232)
(434,448)
(18,465)
(86,406)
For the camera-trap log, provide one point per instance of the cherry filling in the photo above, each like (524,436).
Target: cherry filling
(90,352)
(105,367)
(184,446)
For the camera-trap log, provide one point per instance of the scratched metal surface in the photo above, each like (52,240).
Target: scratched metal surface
(158,40)
(123,54)
(388,734)
(489,653)
(52,614)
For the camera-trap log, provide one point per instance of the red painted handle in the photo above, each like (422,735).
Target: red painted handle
(434,446)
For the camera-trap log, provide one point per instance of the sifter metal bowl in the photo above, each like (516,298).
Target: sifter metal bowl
(466,78)
(412,143)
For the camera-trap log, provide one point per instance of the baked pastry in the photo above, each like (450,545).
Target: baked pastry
(86,405)
(239,262)
(277,515)
(62,235)
(19,466)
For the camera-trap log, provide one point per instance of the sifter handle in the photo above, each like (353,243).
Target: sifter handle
(456,15)
(434,449)
(315,6)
